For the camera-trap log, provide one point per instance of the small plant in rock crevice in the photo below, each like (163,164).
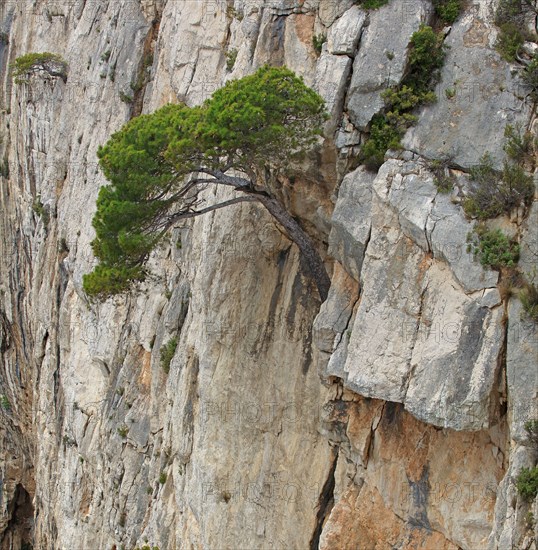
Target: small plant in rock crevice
(41,210)
(426,57)
(520,145)
(531,427)
(448,10)
(443,180)
(123,431)
(528,296)
(167,354)
(527,483)
(231,57)
(317,42)
(371,4)
(510,18)
(492,193)
(530,77)
(126,98)
(4,403)
(492,248)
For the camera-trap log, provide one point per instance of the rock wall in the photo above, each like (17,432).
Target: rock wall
(389,416)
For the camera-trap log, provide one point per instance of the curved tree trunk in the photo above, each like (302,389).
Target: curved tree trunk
(293,230)
(296,233)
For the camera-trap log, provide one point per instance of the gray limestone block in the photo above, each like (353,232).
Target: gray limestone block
(455,356)
(382,56)
(344,35)
(351,221)
(478,95)
(521,369)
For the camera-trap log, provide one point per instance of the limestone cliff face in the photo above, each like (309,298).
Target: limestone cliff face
(389,416)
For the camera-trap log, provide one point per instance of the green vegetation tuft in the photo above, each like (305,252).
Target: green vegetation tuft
(123,431)
(530,77)
(519,144)
(162,478)
(509,41)
(126,98)
(529,300)
(443,181)
(510,17)
(447,10)
(317,42)
(4,403)
(426,58)
(39,208)
(371,4)
(4,168)
(531,427)
(167,354)
(383,136)
(492,247)
(527,483)
(231,57)
(492,193)
(53,63)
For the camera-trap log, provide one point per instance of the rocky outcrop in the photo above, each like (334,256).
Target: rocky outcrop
(478,94)
(281,422)
(382,58)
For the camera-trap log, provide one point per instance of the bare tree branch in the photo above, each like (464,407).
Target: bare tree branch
(192,214)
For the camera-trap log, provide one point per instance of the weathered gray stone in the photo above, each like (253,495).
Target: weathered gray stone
(235,424)
(511,521)
(351,221)
(431,220)
(380,348)
(409,192)
(345,34)
(335,313)
(487,96)
(447,232)
(417,338)
(330,11)
(521,369)
(381,59)
(455,356)
(332,72)
(528,258)
(490,297)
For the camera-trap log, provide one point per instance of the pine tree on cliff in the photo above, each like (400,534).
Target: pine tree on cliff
(158,164)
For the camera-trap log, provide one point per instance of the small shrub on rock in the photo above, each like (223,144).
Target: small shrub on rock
(492,193)
(371,4)
(510,18)
(531,427)
(519,144)
(529,299)
(167,354)
(527,483)
(447,10)
(530,77)
(426,58)
(317,42)
(493,248)
(383,136)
